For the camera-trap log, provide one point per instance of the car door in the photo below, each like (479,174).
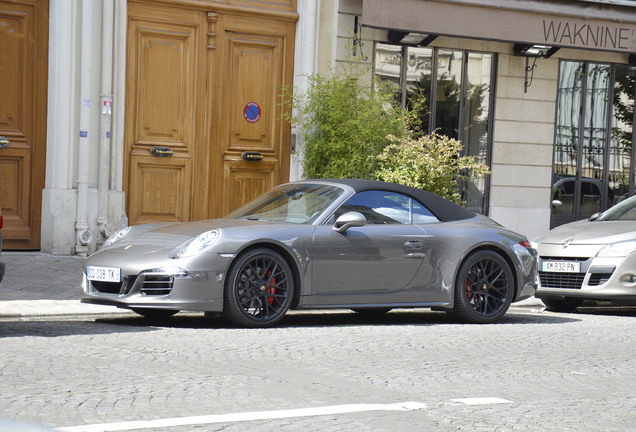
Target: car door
(371,263)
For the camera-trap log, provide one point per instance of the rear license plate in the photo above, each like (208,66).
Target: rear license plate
(103,274)
(561,266)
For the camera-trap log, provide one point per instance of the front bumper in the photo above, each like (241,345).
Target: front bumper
(610,279)
(158,286)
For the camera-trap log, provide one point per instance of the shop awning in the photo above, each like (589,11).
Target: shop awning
(573,24)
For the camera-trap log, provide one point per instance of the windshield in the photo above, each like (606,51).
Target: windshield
(625,210)
(300,203)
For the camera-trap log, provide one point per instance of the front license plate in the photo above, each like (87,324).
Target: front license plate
(561,266)
(104,274)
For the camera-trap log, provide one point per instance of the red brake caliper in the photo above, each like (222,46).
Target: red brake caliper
(271,289)
(469,290)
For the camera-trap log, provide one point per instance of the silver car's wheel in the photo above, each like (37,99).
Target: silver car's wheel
(484,288)
(562,305)
(259,289)
(155,313)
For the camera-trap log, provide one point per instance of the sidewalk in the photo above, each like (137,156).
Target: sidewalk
(40,284)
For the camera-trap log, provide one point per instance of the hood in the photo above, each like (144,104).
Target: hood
(155,237)
(586,232)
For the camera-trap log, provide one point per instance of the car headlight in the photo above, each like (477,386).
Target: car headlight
(617,250)
(118,235)
(198,244)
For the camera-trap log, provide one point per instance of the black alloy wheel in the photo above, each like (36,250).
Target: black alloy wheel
(484,288)
(259,289)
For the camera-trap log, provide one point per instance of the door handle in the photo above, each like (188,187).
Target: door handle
(4,142)
(161,151)
(414,244)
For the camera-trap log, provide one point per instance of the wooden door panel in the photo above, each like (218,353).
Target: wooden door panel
(192,74)
(246,180)
(12,44)
(257,61)
(164,74)
(160,186)
(23,72)
(255,85)
(163,100)
(15,184)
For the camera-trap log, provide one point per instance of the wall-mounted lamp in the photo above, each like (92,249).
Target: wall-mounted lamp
(412,39)
(535,50)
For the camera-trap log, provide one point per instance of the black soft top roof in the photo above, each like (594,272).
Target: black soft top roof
(442,208)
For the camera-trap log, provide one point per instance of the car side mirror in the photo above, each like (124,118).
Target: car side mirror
(348,220)
(595,216)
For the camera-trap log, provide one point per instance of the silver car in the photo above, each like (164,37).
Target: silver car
(592,259)
(357,244)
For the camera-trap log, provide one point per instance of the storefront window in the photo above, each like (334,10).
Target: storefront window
(593,141)
(458,89)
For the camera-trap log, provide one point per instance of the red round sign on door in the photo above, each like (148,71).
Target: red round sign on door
(252,112)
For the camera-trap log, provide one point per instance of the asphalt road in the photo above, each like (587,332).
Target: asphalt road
(405,371)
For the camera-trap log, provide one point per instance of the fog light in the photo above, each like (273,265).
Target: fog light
(632,279)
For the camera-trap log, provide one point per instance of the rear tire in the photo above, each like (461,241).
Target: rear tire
(566,304)
(484,288)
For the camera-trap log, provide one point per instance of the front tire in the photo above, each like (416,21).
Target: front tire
(484,288)
(259,289)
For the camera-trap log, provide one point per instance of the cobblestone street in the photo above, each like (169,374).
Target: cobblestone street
(534,371)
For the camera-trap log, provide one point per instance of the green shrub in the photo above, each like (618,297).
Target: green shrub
(431,162)
(345,123)
(353,129)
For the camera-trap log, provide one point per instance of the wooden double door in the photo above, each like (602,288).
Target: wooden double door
(23,81)
(204,121)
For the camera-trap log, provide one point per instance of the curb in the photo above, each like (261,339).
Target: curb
(54,308)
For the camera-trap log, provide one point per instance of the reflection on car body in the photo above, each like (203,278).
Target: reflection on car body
(591,259)
(357,244)
(590,195)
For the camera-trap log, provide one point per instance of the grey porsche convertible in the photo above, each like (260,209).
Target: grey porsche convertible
(356,244)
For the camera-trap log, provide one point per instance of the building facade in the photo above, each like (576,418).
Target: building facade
(123,112)
(542,92)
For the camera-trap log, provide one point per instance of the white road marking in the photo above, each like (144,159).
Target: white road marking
(481,401)
(246,416)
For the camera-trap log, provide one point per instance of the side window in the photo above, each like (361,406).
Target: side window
(381,207)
